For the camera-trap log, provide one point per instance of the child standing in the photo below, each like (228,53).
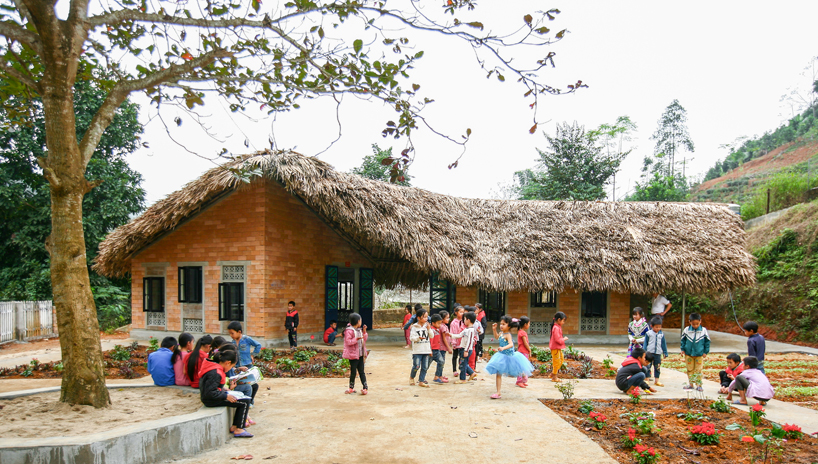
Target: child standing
(637,329)
(523,347)
(478,334)
(695,346)
(330,334)
(291,324)
(751,382)
(466,338)
(406,318)
(756,345)
(506,361)
(437,347)
(457,326)
(246,346)
(557,344)
(421,347)
(355,350)
(733,369)
(655,345)
(445,341)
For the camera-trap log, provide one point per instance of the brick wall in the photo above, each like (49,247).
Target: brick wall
(285,245)
(618,313)
(569,302)
(517,304)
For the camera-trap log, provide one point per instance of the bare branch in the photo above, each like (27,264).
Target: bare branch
(120,92)
(24,78)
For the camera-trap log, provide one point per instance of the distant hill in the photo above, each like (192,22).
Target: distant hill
(737,185)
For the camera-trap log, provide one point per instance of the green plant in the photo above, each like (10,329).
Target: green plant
(566,388)
(792,432)
(607,363)
(543,356)
(27,372)
(266,354)
(756,413)
(586,406)
(333,356)
(342,364)
(721,405)
(127,372)
(630,440)
(645,422)
(58,367)
(153,344)
(586,369)
(692,416)
(645,455)
(610,373)
(303,355)
(544,369)
(34,362)
(323,371)
(598,420)
(120,353)
(287,363)
(572,353)
(134,346)
(705,434)
(635,395)
(489,351)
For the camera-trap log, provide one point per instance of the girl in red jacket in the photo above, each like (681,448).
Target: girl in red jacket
(557,344)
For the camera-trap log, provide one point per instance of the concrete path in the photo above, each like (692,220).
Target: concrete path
(313,421)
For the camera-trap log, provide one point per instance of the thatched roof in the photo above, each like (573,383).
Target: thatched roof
(501,245)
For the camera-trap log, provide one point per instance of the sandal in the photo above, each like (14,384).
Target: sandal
(244,434)
(495,396)
(349,392)
(364,391)
(242,457)
(739,403)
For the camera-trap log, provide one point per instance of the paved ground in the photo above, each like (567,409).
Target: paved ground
(311,420)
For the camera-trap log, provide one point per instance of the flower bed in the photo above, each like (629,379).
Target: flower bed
(304,361)
(577,365)
(123,362)
(675,423)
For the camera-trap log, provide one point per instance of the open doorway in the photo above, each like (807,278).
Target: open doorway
(346,293)
(594,313)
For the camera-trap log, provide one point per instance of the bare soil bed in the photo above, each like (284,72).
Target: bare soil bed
(673,442)
(43,415)
(793,375)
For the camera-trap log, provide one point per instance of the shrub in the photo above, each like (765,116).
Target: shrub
(705,434)
(120,353)
(787,188)
(645,455)
(153,344)
(566,388)
(543,356)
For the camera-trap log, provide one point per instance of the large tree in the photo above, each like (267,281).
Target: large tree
(379,165)
(575,166)
(614,137)
(177,52)
(671,136)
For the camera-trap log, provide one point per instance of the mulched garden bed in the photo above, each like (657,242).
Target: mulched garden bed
(577,364)
(304,361)
(673,442)
(794,375)
(123,362)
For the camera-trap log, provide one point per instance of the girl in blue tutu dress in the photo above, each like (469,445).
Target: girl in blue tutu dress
(507,361)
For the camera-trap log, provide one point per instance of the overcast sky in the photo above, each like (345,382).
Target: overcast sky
(728,63)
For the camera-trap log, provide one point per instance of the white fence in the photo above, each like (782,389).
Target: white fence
(26,320)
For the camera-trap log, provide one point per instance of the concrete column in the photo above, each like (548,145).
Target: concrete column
(20,320)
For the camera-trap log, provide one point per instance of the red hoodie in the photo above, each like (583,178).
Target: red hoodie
(630,360)
(208,366)
(195,381)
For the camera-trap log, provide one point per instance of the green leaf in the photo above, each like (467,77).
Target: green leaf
(256,5)
(734,426)
(321,32)
(358,44)
(561,33)
(418,54)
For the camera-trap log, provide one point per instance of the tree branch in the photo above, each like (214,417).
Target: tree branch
(120,92)
(16,32)
(25,79)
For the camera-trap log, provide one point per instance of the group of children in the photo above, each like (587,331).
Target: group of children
(208,366)
(648,347)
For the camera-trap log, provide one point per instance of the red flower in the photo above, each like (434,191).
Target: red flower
(747,439)
(791,428)
(757,408)
(632,434)
(640,448)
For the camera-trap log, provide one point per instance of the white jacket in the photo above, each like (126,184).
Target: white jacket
(467,337)
(421,337)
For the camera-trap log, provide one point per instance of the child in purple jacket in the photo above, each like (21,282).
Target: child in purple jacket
(751,382)
(355,350)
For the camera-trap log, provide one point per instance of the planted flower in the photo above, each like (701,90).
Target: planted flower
(598,419)
(630,440)
(645,454)
(792,432)
(705,434)
(756,413)
(636,395)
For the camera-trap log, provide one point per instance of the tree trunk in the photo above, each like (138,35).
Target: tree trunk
(83,380)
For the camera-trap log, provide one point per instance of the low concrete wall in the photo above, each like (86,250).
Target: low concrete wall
(160,440)
(767,218)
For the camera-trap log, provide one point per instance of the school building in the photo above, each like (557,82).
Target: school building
(221,249)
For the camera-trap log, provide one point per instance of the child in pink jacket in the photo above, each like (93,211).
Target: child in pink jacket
(355,350)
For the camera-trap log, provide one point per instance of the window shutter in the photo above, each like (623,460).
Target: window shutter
(224,298)
(198,279)
(146,282)
(181,286)
(331,296)
(367,278)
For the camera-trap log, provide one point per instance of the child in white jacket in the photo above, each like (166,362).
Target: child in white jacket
(421,336)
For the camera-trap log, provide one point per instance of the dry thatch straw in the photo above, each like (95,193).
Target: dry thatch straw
(409,233)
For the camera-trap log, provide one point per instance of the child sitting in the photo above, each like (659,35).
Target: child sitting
(160,365)
(756,345)
(331,333)
(734,368)
(633,372)
(751,382)
(695,346)
(194,360)
(655,345)
(211,380)
(180,354)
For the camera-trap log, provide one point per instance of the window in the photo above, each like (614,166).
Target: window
(231,301)
(442,295)
(544,300)
(190,284)
(153,294)
(494,304)
(594,304)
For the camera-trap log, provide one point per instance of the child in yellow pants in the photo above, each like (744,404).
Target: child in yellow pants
(557,344)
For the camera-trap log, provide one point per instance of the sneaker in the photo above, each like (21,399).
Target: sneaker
(699,389)
(659,384)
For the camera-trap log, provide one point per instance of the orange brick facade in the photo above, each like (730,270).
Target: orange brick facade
(569,301)
(283,245)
